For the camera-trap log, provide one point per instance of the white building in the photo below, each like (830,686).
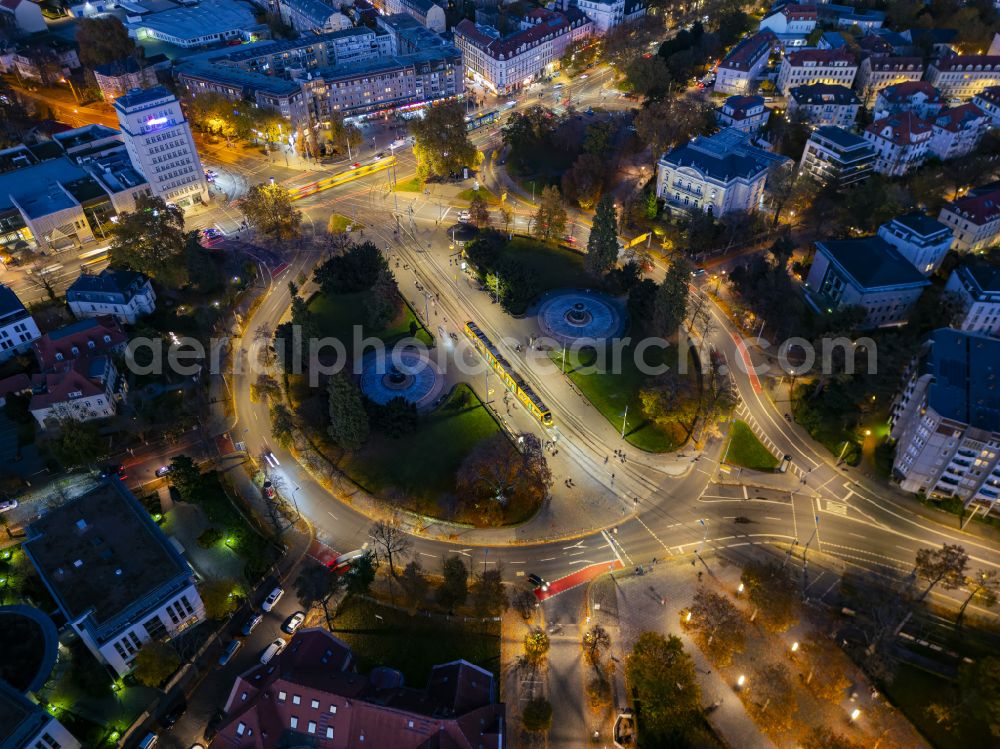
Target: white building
(745,113)
(988,100)
(27,725)
(922,240)
(946,420)
(195,24)
(606,14)
(312,16)
(159,142)
(118,78)
(718,174)
(901,142)
(507,63)
(802,67)
(427,12)
(833,156)
(823,104)
(123,294)
(23,15)
(964,76)
(114,575)
(17,326)
(791,20)
(918,97)
(877,72)
(957,131)
(868,273)
(977,287)
(739,70)
(82,390)
(974,219)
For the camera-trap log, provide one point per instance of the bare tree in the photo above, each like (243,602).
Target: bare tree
(720,625)
(524,602)
(945,567)
(595,640)
(983,587)
(392,541)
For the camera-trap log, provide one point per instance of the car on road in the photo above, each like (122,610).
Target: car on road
(251,624)
(293,622)
(356,165)
(114,469)
(272,650)
(268,490)
(585,76)
(272,598)
(210,236)
(163,471)
(8,504)
(209,177)
(230,651)
(538,582)
(464,216)
(173,714)
(380,155)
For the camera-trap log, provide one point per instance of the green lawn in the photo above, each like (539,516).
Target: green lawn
(744,449)
(420,468)
(339,223)
(413,184)
(413,644)
(337,315)
(554,267)
(469,194)
(611,393)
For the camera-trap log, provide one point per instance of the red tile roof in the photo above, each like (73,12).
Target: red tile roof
(990,95)
(55,387)
(960,118)
(901,129)
(91,337)
(900,92)
(749,51)
(550,23)
(980,208)
(799,12)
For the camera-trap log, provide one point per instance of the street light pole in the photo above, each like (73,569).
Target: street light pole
(624,420)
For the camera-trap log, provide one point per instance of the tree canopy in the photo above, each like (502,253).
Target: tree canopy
(151,240)
(549,223)
(442,144)
(102,40)
(268,209)
(602,246)
(663,677)
(348,419)
(497,475)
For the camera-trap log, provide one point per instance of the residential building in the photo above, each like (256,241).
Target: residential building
(719,174)
(96,336)
(977,288)
(802,67)
(994,45)
(407,35)
(869,273)
(89,8)
(22,15)
(17,327)
(957,131)
(739,70)
(876,45)
(877,73)
(507,63)
(266,91)
(82,389)
(606,14)
(28,725)
(946,420)
(791,20)
(312,16)
(832,40)
(918,97)
(427,12)
(988,100)
(123,294)
(824,104)
(114,575)
(311,695)
(901,142)
(159,142)
(196,25)
(47,59)
(745,113)
(118,78)
(846,16)
(975,219)
(922,240)
(836,157)
(964,76)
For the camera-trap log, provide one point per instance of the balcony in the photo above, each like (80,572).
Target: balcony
(696,192)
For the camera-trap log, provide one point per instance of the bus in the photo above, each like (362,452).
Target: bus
(476,122)
(507,375)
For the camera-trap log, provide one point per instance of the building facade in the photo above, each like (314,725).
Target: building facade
(159,142)
(824,104)
(83,389)
(606,14)
(957,131)
(974,219)
(739,70)
(976,286)
(922,240)
(801,68)
(901,142)
(745,113)
(988,100)
(118,78)
(918,97)
(27,725)
(17,327)
(834,156)
(122,294)
(22,15)
(964,76)
(876,73)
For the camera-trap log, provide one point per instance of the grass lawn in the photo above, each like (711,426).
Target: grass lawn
(339,223)
(413,184)
(413,644)
(422,465)
(469,194)
(554,267)
(744,449)
(612,393)
(338,314)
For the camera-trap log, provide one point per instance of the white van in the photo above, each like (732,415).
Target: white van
(149,741)
(272,650)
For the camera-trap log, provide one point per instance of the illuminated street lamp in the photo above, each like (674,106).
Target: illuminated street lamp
(740,589)
(741,681)
(855,714)
(795,646)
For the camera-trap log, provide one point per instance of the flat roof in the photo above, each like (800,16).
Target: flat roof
(139,96)
(36,188)
(102,552)
(966,371)
(215,17)
(239,77)
(872,262)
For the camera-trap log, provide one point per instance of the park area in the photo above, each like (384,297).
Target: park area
(745,450)
(338,315)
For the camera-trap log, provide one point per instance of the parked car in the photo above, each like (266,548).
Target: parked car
(163,471)
(113,469)
(210,237)
(8,504)
(269,490)
(293,622)
(272,599)
(272,650)
(538,582)
(173,714)
(464,216)
(229,652)
(251,624)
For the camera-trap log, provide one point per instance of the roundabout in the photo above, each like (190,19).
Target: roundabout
(579,315)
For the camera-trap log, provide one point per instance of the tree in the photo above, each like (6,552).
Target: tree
(662,677)
(720,626)
(441,141)
(414,583)
(77,443)
(537,715)
(979,684)
(524,602)
(595,641)
(883,601)
(151,240)
(185,476)
(479,212)
(282,424)
(773,593)
(584,181)
(392,540)
(488,595)
(219,599)
(357,269)
(265,388)
(268,209)
(944,567)
(822,737)
(348,419)
(362,574)
(315,586)
(536,645)
(984,588)
(155,663)
(663,124)
(670,305)
(789,188)
(455,585)
(383,302)
(102,40)
(827,676)
(772,698)
(549,222)
(602,246)
(495,474)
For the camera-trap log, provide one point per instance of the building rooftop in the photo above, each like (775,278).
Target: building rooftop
(820,57)
(966,377)
(871,262)
(191,22)
(749,50)
(919,225)
(316,11)
(969,63)
(101,553)
(903,92)
(979,206)
(989,95)
(10,305)
(901,129)
(984,275)
(546,23)
(962,117)
(80,378)
(111,285)
(725,156)
(823,93)
(388,62)
(834,39)
(244,79)
(141,97)
(20,718)
(896,64)
(90,336)
(839,137)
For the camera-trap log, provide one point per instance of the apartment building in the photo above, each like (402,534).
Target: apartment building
(28,725)
(957,131)
(121,76)
(918,97)
(80,390)
(875,73)
(427,12)
(17,327)
(922,240)
(312,16)
(739,70)
(946,420)
(194,24)
(270,92)
(122,294)
(824,104)
(976,286)
(803,67)
(901,142)
(836,157)
(964,76)
(745,113)
(606,14)
(974,219)
(791,24)
(988,100)
(113,574)
(97,336)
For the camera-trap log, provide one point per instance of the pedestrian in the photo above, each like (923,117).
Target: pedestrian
(605,460)
(612,478)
